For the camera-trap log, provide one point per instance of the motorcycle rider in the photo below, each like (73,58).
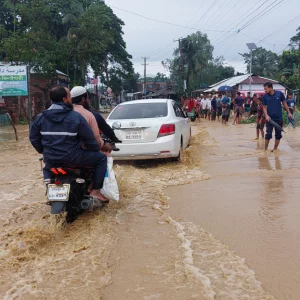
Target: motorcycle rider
(79,97)
(59,133)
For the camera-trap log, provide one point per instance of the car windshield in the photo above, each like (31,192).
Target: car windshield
(140,111)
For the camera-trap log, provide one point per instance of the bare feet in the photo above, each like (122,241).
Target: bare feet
(97,194)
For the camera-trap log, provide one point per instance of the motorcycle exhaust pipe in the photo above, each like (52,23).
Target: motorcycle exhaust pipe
(90,203)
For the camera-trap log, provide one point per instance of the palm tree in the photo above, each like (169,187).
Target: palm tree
(264,62)
(195,52)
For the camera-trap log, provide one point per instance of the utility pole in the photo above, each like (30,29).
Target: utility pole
(145,72)
(250,85)
(29,97)
(251,47)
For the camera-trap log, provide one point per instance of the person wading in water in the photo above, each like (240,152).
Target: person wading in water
(272,101)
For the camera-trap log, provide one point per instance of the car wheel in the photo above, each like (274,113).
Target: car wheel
(189,138)
(179,157)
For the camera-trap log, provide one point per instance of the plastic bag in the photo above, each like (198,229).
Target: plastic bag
(110,189)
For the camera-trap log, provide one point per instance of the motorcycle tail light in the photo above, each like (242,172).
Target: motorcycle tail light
(54,171)
(61,171)
(57,182)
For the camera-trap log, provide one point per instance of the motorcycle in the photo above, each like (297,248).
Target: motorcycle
(67,189)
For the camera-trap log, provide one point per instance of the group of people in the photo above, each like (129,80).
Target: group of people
(68,132)
(220,105)
(268,107)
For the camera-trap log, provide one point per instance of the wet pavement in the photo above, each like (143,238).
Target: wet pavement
(251,204)
(223,224)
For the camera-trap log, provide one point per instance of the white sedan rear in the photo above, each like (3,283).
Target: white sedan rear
(150,129)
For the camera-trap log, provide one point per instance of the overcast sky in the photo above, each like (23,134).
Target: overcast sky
(155,40)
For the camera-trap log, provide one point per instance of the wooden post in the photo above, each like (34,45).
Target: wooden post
(29,98)
(13,125)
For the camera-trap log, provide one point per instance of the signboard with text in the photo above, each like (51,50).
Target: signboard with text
(13,81)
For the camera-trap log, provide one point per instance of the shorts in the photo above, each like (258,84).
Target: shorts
(239,110)
(205,112)
(278,134)
(260,126)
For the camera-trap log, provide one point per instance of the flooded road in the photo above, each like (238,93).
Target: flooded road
(180,231)
(251,204)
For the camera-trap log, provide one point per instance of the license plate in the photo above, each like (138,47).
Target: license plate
(58,192)
(133,135)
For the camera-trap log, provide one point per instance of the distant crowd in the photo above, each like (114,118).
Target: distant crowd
(215,106)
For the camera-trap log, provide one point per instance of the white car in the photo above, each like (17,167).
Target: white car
(150,129)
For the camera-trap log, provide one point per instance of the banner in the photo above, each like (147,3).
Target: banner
(13,81)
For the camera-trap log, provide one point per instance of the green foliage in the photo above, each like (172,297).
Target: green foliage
(69,35)
(23,121)
(285,67)
(194,63)
(130,83)
(160,77)
(248,120)
(264,62)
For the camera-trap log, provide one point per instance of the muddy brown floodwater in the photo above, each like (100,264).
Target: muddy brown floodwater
(251,203)
(222,224)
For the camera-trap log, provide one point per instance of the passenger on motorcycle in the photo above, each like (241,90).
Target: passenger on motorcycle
(101,123)
(79,97)
(59,134)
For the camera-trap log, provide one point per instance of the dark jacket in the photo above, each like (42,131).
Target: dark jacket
(104,127)
(59,132)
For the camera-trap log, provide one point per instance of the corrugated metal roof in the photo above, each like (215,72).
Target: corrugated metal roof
(258,80)
(230,82)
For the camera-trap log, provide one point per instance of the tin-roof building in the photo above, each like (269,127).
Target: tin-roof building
(241,84)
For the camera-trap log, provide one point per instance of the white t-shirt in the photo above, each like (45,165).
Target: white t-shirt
(205,103)
(208,104)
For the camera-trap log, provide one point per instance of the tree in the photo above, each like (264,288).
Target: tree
(216,71)
(160,77)
(264,62)
(130,83)
(193,56)
(114,56)
(69,35)
(295,44)
(288,68)
(194,63)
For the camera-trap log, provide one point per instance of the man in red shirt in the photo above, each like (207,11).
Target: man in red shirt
(189,104)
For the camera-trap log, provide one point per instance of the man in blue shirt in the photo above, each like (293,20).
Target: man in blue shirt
(272,101)
(291,102)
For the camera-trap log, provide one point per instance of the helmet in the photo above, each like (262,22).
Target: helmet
(78,91)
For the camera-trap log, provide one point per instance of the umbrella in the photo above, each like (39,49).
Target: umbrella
(225,88)
(276,125)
